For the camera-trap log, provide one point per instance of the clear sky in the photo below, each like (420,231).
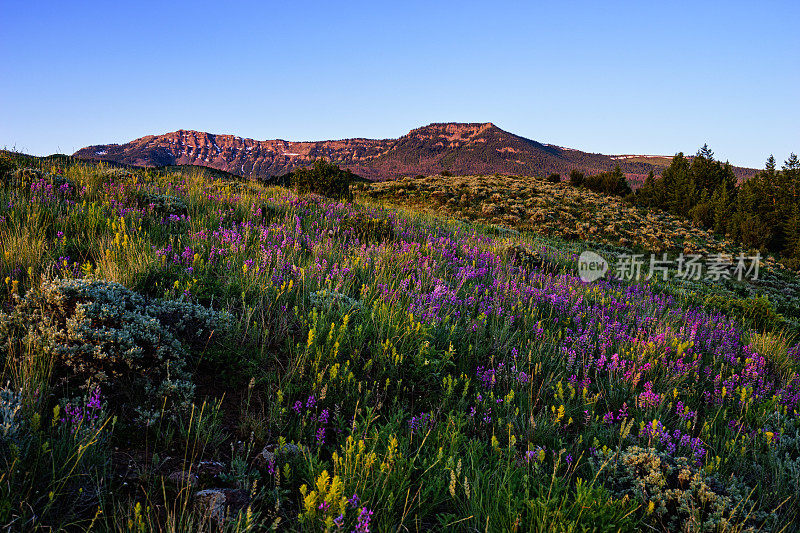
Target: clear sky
(610,77)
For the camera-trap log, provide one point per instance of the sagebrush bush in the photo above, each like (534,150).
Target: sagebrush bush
(325,299)
(99,333)
(10,419)
(113,173)
(163,204)
(675,493)
(787,458)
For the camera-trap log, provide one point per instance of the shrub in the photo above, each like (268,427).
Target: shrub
(787,458)
(6,165)
(163,204)
(554,178)
(100,333)
(323,178)
(342,303)
(703,214)
(524,257)
(758,311)
(675,493)
(110,174)
(576,178)
(268,213)
(613,183)
(367,229)
(36,181)
(10,420)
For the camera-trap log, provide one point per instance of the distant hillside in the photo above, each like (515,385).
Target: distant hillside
(61,160)
(463,149)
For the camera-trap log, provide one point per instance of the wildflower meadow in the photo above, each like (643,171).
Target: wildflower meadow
(184,351)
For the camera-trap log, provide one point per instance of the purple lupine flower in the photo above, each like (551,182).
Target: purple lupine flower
(94,400)
(364,517)
(354,500)
(648,398)
(421,423)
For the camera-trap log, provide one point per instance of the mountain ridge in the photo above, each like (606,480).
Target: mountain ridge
(459,148)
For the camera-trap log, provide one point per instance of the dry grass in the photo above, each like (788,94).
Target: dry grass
(23,246)
(775,346)
(125,257)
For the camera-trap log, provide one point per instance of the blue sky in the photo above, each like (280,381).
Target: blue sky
(610,77)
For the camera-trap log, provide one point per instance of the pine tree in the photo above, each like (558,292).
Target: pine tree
(677,186)
(646,194)
(791,164)
(770,166)
(792,248)
(761,213)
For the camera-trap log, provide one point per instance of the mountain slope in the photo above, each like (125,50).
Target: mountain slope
(460,148)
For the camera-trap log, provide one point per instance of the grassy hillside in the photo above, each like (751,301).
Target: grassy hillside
(184,353)
(540,207)
(575,219)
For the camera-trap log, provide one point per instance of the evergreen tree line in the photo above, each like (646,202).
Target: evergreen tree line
(613,182)
(762,213)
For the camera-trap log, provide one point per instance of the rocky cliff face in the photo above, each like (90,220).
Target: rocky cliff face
(244,157)
(474,148)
